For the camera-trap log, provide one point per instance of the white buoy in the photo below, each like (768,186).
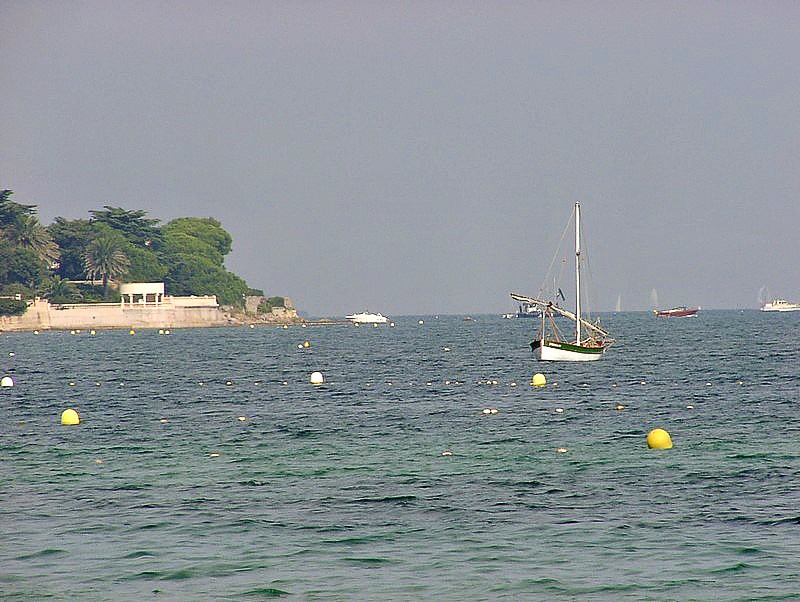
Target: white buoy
(317,378)
(6,381)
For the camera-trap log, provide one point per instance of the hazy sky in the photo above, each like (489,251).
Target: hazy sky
(423,157)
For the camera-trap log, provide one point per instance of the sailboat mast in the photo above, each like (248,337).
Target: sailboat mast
(578,272)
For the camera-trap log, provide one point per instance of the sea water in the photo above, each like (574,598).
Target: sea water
(207,467)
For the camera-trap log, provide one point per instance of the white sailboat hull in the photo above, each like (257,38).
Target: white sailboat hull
(553,351)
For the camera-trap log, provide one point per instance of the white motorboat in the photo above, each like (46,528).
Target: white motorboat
(366,317)
(780,305)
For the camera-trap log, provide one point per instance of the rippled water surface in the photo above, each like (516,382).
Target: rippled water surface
(207,467)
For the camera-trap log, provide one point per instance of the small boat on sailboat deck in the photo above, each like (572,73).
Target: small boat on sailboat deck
(590,341)
(676,312)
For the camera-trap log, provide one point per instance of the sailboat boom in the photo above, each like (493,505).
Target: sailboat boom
(564,312)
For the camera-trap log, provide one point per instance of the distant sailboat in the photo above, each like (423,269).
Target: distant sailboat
(618,306)
(549,345)
(653,299)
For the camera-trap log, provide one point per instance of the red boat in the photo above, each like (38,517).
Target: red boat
(676,312)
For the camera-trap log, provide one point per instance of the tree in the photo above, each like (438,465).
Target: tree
(10,211)
(21,266)
(61,290)
(29,233)
(195,275)
(133,225)
(72,237)
(20,227)
(205,229)
(145,265)
(194,251)
(178,243)
(106,259)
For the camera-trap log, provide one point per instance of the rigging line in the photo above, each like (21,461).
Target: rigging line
(555,255)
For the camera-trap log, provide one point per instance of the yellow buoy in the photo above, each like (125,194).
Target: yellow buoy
(306,344)
(69,417)
(317,378)
(659,439)
(538,380)
(132,331)
(92,332)
(6,381)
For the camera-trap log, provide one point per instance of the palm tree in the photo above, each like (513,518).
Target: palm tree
(61,290)
(106,259)
(29,233)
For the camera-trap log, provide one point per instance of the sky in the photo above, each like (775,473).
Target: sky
(424,157)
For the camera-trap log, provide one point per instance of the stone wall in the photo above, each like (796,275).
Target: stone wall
(188,312)
(284,314)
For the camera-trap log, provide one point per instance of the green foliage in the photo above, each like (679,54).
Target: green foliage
(61,290)
(26,248)
(72,236)
(12,307)
(177,243)
(11,290)
(11,212)
(195,275)
(187,254)
(19,265)
(145,265)
(194,251)
(267,304)
(133,225)
(91,293)
(106,259)
(205,229)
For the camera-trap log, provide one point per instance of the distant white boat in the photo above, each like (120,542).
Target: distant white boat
(366,317)
(780,305)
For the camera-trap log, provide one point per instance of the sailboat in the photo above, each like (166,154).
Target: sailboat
(590,339)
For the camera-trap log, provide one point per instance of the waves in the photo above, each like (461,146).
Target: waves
(346,492)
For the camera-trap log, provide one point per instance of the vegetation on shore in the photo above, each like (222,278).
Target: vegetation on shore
(113,245)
